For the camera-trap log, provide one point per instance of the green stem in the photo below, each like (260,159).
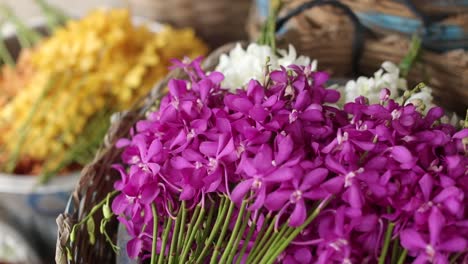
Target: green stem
(223,233)
(182,227)
(411,56)
(273,243)
(219,219)
(175,235)
(402,258)
(247,240)
(239,238)
(388,238)
(155,234)
(191,236)
(261,239)
(395,250)
(295,231)
(234,234)
(268,34)
(90,214)
(204,234)
(165,237)
(455,257)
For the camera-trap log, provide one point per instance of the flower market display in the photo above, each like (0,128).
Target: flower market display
(57,101)
(259,162)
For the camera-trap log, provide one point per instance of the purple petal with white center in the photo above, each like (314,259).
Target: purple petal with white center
(402,154)
(241,190)
(314,178)
(120,204)
(280,175)
(154,149)
(303,256)
(436,222)
(259,113)
(455,244)
(334,166)
(412,240)
(334,185)
(209,148)
(134,247)
(277,199)
(285,148)
(312,115)
(180,163)
(426,183)
(259,200)
(149,193)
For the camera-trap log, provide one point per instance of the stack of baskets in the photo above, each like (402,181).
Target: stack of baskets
(216,21)
(326,33)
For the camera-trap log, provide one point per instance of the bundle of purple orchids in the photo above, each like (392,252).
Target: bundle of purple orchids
(274,172)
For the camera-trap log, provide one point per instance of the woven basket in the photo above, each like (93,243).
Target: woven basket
(97,178)
(216,21)
(443,25)
(325,34)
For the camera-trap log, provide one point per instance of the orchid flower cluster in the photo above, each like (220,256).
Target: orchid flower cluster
(272,172)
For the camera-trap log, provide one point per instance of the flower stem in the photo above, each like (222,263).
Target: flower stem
(456,256)
(182,227)
(165,237)
(220,217)
(263,239)
(295,231)
(247,240)
(239,237)
(273,242)
(388,238)
(402,258)
(233,237)
(395,250)
(223,233)
(191,237)
(155,234)
(175,235)
(204,234)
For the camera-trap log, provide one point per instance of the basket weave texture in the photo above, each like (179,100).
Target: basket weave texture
(326,34)
(216,21)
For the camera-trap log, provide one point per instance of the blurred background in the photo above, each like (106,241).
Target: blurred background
(26,8)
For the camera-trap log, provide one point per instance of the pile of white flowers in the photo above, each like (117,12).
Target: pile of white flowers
(388,76)
(242,65)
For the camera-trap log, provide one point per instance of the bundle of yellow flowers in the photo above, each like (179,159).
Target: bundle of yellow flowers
(82,73)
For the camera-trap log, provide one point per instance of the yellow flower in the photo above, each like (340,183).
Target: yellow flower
(101,61)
